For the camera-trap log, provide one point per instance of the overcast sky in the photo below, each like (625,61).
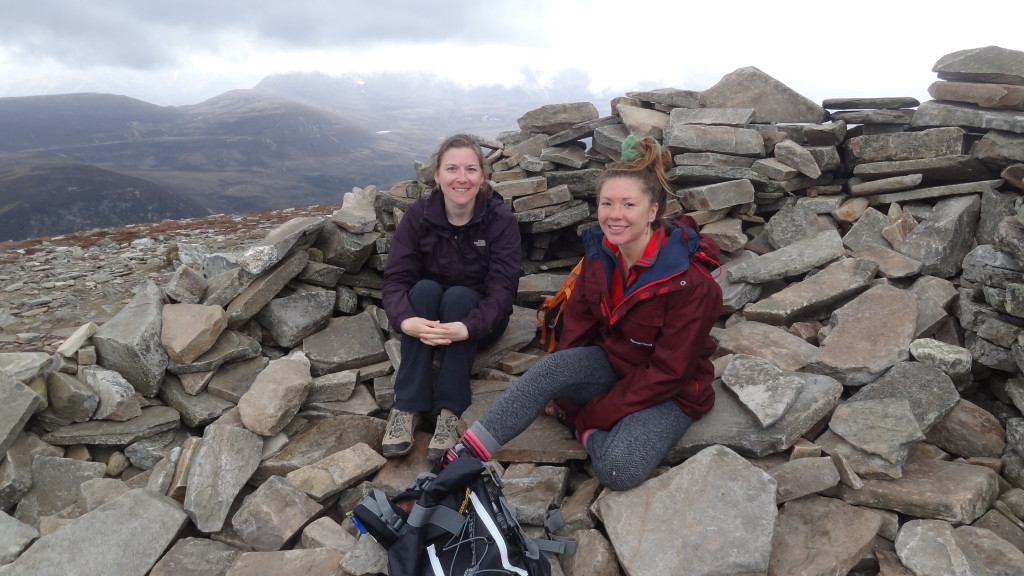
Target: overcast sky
(185,51)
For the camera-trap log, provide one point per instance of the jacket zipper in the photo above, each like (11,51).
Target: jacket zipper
(613,313)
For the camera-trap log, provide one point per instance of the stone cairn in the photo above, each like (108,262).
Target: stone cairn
(868,415)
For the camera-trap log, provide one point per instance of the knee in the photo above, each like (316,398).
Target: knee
(570,360)
(613,479)
(617,465)
(547,363)
(425,295)
(618,478)
(427,288)
(457,302)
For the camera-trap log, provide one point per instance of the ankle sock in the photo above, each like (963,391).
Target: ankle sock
(477,441)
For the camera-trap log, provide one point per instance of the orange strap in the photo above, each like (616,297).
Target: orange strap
(556,303)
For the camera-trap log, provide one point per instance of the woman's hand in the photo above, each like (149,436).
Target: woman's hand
(434,333)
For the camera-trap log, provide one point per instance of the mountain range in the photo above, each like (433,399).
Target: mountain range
(79,161)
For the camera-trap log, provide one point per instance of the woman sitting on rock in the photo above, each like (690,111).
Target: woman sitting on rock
(451,278)
(633,368)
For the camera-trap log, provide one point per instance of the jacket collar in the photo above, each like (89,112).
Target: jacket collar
(673,258)
(435,214)
(650,253)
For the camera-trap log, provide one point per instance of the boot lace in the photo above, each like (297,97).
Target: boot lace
(445,430)
(398,424)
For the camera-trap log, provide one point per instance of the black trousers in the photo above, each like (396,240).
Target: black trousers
(415,387)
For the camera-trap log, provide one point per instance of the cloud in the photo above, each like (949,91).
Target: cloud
(183,51)
(76,34)
(153,35)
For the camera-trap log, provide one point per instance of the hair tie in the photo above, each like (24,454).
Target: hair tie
(630,152)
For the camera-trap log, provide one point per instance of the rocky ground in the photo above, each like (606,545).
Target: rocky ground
(50,284)
(209,397)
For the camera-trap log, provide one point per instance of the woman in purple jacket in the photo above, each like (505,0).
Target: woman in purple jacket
(451,279)
(633,369)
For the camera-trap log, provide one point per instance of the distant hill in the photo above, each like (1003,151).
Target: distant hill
(293,140)
(42,122)
(423,107)
(242,151)
(48,197)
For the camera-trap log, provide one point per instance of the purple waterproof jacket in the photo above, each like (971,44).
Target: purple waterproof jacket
(486,256)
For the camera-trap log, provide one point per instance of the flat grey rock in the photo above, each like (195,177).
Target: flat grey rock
(231,346)
(772,101)
(139,526)
(941,242)
(347,342)
(820,292)
(196,557)
(20,402)
(790,260)
(871,334)
(839,535)
(772,343)
(129,343)
(883,427)
(554,118)
(730,424)
(226,458)
(321,439)
(762,387)
(715,483)
(196,410)
(929,392)
(152,420)
(55,486)
(952,491)
(263,289)
(15,536)
(271,515)
(991,64)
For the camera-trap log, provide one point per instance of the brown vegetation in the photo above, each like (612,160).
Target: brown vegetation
(238,225)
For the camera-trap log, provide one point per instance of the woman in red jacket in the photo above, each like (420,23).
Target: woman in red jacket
(451,278)
(633,369)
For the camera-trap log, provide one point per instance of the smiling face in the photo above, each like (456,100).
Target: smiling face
(625,213)
(459,174)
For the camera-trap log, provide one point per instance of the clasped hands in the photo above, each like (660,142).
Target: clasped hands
(433,332)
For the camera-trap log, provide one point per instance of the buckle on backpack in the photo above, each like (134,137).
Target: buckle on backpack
(489,469)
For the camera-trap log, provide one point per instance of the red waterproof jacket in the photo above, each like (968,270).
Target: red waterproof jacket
(658,337)
(485,256)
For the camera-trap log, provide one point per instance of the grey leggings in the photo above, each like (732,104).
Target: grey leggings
(622,457)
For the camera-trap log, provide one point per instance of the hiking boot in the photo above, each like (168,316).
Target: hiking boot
(398,436)
(445,435)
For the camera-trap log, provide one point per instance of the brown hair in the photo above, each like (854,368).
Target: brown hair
(465,141)
(648,169)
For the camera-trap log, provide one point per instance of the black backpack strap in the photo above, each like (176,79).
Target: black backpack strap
(439,515)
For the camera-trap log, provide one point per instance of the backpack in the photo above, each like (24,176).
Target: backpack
(456,522)
(549,313)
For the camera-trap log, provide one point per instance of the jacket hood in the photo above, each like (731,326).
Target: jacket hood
(683,242)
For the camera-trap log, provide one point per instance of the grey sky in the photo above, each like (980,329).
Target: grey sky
(185,51)
(152,35)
